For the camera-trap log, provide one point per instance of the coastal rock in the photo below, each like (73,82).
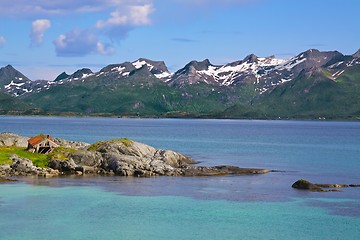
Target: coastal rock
(121,157)
(306,185)
(6,180)
(129,158)
(174,159)
(11,139)
(71,144)
(318,187)
(67,166)
(87,158)
(22,165)
(221,170)
(4,169)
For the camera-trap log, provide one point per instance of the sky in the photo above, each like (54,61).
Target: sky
(43,38)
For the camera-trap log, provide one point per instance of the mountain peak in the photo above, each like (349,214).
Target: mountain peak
(357,54)
(155,67)
(199,66)
(252,58)
(81,73)
(61,76)
(9,73)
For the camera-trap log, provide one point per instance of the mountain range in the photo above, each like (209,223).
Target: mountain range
(312,84)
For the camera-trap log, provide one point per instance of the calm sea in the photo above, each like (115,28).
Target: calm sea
(233,207)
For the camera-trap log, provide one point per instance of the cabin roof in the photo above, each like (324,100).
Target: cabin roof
(38,139)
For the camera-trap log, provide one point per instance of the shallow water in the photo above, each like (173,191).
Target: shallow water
(233,207)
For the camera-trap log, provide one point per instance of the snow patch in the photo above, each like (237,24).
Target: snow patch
(13,84)
(139,64)
(163,75)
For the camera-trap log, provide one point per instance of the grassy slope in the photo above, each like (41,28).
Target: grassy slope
(39,160)
(10,104)
(314,97)
(138,95)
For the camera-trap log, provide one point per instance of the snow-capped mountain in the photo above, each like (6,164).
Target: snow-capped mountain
(265,73)
(14,83)
(119,71)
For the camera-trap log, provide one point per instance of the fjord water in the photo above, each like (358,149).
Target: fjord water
(234,207)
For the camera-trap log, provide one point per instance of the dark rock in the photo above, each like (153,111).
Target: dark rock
(67,166)
(22,165)
(6,180)
(87,158)
(332,185)
(62,76)
(306,185)
(221,171)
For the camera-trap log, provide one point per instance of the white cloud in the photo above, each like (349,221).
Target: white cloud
(78,43)
(136,15)
(37,30)
(43,8)
(123,16)
(2,41)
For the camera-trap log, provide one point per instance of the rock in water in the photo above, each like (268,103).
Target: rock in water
(306,185)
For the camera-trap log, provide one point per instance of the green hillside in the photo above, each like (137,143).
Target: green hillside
(138,95)
(12,105)
(307,97)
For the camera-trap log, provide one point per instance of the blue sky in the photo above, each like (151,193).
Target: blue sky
(42,38)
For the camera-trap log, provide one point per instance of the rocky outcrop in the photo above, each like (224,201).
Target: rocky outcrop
(121,157)
(11,139)
(71,144)
(319,187)
(25,167)
(128,158)
(221,171)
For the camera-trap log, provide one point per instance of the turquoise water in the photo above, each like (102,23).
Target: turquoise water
(234,207)
(39,212)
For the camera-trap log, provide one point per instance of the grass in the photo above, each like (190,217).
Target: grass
(38,160)
(127,142)
(60,153)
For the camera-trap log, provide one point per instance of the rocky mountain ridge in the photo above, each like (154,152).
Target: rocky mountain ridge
(312,84)
(265,73)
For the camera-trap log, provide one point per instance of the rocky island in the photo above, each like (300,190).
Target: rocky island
(121,157)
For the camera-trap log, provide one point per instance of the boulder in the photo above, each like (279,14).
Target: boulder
(22,166)
(67,166)
(87,158)
(11,139)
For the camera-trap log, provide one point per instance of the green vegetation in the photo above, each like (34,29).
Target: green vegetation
(12,105)
(60,153)
(38,160)
(127,142)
